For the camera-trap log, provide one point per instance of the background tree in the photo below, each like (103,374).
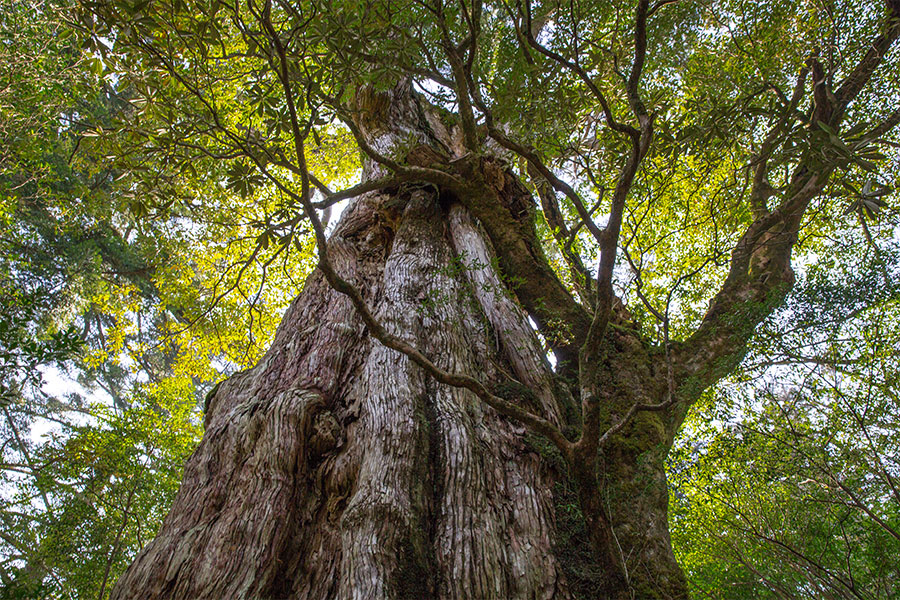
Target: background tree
(557,163)
(791,492)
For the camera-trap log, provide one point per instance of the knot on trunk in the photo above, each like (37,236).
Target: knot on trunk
(324,434)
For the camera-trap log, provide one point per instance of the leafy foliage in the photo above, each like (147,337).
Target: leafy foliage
(155,157)
(100,493)
(145,309)
(790,492)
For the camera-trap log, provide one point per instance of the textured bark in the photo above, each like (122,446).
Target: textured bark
(337,468)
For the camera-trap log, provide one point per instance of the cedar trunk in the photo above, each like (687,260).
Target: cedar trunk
(338,468)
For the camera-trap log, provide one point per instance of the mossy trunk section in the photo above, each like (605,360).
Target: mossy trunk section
(634,493)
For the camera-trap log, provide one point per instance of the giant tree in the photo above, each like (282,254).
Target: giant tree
(568,220)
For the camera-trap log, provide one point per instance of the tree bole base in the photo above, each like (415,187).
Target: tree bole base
(335,468)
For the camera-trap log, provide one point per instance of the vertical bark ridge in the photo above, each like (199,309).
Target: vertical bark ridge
(469,537)
(384,529)
(492,525)
(519,349)
(517,340)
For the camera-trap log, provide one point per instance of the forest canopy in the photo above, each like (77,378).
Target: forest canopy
(675,223)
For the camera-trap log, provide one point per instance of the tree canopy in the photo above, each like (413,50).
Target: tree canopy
(708,186)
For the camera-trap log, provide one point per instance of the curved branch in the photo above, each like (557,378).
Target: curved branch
(577,70)
(853,84)
(760,274)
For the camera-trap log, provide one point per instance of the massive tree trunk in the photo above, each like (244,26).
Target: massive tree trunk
(338,468)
